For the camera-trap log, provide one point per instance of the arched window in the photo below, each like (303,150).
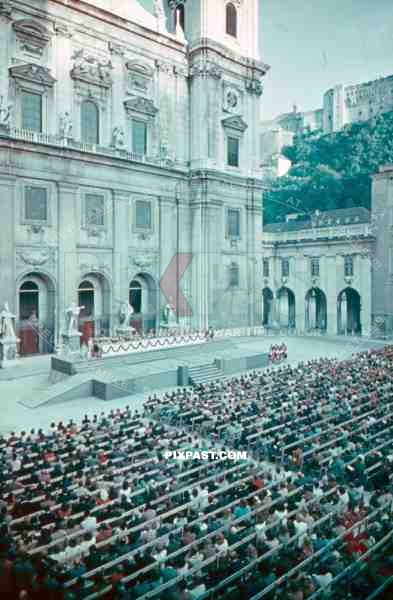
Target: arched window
(180,16)
(90,122)
(28,300)
(231,20)
(135,296)
(86,299)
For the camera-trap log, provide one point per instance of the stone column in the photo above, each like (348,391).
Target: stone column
(68,274)
(117,118)
(167,241)
(197,284)
(121,242)
(7,241)
(5,41)
(63,90)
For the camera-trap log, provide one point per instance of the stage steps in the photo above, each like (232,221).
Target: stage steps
(205,374)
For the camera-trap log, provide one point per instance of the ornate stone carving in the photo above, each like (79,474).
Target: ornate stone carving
(32,36)
(143,262)
(236,122)
(164,66)
(206,69)
(254,86)
(117,49)
(63,30)
(33,73)
(141,105)
(232,99)
(89,69)
(180,71)
(34,258)
(5,9)
(86,268)
(139,77)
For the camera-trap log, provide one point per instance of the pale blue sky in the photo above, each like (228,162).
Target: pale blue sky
(312,45)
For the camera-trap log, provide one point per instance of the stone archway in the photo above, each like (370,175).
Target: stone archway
(316,310)
(143,297)
(36,307)
(348,312)
(285,308)
(94,293)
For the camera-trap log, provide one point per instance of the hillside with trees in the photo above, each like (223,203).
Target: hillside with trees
(331,171)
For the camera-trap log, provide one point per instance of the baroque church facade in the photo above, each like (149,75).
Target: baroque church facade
(128,138)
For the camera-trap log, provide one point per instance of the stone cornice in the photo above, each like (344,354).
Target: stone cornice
(104,16)
(204,44)
(141,105)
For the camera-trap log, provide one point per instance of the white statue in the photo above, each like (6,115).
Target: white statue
(126,313)
(118,138)
(169,314)
(65,125)
(5,113)
(73,315)
(7,322)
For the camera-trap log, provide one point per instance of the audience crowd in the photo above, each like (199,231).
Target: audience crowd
(95,510)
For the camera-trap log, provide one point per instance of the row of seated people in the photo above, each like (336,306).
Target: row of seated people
(296,414)
(93,510)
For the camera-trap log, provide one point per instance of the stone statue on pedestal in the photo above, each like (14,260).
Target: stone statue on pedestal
(126,313)
(7,322)
(169,315)
(8,339)
(118,138)
(5,114)
(72,314)
(65,126)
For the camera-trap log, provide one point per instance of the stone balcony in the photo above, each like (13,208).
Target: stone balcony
(46,139)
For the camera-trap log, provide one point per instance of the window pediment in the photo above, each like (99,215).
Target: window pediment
(32,35)
(90,69)
(139,77)
(33,73)
(236,123)
(140,105)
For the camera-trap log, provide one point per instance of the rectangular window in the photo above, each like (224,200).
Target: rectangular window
(315,266)
(94,209)
(36,204)
(139,137)
(143,214)
(31,111)
(233,152)
(285,267)
(234,276)
(266,267)
(348,266)
(233,224)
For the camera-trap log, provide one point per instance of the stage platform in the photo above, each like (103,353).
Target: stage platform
(116,376)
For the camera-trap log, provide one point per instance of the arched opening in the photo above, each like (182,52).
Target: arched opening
(180,16)
(348,312)
(316,310)
(94,296)
(90,122)
(35,326)
(231,20)
(267,309)
(286,308)
(143,297)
